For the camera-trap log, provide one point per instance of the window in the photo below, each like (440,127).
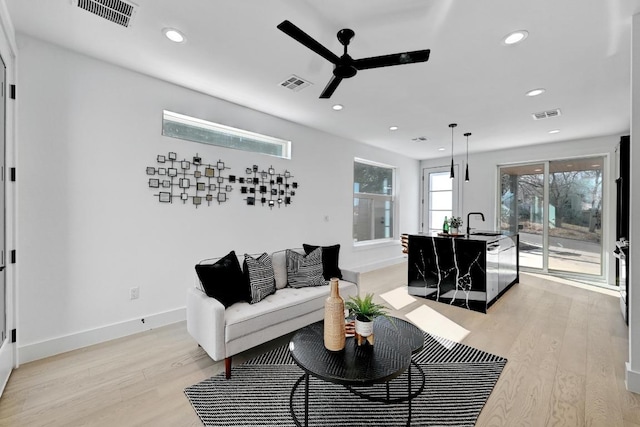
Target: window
(373,201)
(191,129)
(440,197)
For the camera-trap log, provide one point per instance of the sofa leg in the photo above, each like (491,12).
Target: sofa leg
(227,367)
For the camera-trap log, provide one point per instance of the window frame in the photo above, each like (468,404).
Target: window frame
(216,128)
(456,193)
(393,227)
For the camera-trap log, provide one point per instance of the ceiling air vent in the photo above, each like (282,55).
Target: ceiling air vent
(118,11)
(546,114)
(419,139)
(295,83)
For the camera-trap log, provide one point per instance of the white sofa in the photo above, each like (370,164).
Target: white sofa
(224,332)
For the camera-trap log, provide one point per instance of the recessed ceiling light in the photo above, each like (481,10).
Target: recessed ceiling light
(441,149)
(174,35)
(337,107)
(555,131)
(515,37)
(535,92)
(393,127)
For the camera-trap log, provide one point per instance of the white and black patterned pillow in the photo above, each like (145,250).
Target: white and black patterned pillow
(303,271)
(259,272)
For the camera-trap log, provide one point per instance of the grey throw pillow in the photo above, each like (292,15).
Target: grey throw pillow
(305,270)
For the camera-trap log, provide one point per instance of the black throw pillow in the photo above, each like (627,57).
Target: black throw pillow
(223,280)
(330,255)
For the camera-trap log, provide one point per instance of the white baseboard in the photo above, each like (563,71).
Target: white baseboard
(632,379)
(40,350)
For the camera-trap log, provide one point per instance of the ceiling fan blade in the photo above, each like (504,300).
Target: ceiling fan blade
(393,59)
(331,87)
(304,38)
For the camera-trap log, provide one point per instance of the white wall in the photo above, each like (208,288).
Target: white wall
(90,228)
(481,192)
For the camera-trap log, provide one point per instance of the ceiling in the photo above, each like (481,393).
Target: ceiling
(578,51)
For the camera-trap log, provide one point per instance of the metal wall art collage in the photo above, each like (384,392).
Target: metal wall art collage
(197,182)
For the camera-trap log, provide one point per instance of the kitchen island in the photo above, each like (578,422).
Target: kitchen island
(469,271)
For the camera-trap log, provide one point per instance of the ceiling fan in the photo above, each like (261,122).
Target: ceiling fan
(345,66)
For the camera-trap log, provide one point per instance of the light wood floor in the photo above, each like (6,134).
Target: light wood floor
(566,349)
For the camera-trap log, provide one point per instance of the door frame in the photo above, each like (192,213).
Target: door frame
(8,52)
(599,280)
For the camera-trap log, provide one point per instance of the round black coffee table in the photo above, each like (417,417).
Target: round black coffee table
(356,366)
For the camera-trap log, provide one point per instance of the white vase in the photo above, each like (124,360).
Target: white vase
(364,328)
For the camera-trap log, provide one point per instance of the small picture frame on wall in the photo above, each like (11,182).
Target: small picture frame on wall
(166,183)
(161,158)
(200,186)
(197,160)
(271,203)
(213,187)
(222,197)
(228,188)
(173,156)
(197,200)
(294,185)
(154,183)
(220,180)
(209,172)
(151,170)
(241,180)
(209,197)
(220,165)
(256,181)
(162,171)
(252,190)
(184,183)
(232,178)
(255,168)
(249,171)
(287,174)
(172,172)
(243,190)
(164,197)
(251,201)
(185,165)
(279,180)
(197,174)
(272,171)
(184,196)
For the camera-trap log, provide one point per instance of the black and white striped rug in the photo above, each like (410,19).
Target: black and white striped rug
(459,380)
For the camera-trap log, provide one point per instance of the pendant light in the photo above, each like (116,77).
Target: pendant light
(466,173)
(452,125)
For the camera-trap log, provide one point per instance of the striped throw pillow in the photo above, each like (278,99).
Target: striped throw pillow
(260,275)
(303,271)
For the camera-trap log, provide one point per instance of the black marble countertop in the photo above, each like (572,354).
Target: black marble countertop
(477,235)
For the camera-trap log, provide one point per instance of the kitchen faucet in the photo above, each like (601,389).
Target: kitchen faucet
(469,214)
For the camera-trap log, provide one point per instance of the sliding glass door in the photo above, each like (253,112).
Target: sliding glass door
(575,215)
(556,207)
(522,209)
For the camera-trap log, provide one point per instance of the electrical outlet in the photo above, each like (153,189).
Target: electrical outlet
(134,293)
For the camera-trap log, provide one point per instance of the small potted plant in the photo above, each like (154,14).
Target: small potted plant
(454,224)
(365,311)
